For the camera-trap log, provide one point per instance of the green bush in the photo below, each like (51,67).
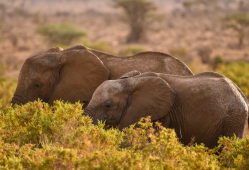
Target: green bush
(131,50)
(63,34)
(238,72)
(217,61)
(181,53)
(235,153)
(37,136)
(7,86)
(42,137)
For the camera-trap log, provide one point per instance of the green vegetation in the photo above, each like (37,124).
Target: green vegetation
(131,50)
(206,4)
(7,88)
(239,22)
(63,34)
(181,53)
(217,61)
(238,72)
(137,16)
(36,136)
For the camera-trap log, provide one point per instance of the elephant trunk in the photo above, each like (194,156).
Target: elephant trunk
(18,97)
(96,116)
(87,112)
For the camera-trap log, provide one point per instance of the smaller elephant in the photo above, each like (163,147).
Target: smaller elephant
(205,106)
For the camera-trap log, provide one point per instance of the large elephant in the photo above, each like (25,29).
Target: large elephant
(74,74)
(204,106)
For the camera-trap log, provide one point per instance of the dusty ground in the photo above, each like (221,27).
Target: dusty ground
(179,29)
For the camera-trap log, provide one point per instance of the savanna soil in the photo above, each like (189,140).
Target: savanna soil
(193,31)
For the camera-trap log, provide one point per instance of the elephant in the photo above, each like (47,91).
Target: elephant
(73,74)
(204,106)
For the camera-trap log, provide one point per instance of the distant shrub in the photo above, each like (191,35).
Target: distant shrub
(217,61)
(101,46)
(181,53)
(131,50)
(238,72)
(204,53)
(63,34)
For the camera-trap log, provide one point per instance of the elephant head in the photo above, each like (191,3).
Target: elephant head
(55,74)
(124,101)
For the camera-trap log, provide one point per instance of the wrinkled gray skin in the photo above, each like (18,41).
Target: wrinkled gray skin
(204,106)
(74,74)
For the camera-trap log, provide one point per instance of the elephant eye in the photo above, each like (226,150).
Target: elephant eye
(108,104)
(37,85)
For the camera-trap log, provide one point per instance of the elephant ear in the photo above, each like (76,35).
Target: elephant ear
(81,72)
(130,74)
(150,96)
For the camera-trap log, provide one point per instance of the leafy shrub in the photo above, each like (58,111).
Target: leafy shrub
(130,50)
(36,122)
(37,136)
(217,61)
(238,72)
(181,53)
(235,152)
(7,87)
(63,34)
(42,137)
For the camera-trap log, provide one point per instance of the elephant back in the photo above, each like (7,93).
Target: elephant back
(144,62)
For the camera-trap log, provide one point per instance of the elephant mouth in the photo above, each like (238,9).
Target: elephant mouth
(17,100)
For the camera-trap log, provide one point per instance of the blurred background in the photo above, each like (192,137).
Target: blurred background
(208,35)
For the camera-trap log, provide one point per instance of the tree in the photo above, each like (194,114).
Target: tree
(137,16)
(239,22)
